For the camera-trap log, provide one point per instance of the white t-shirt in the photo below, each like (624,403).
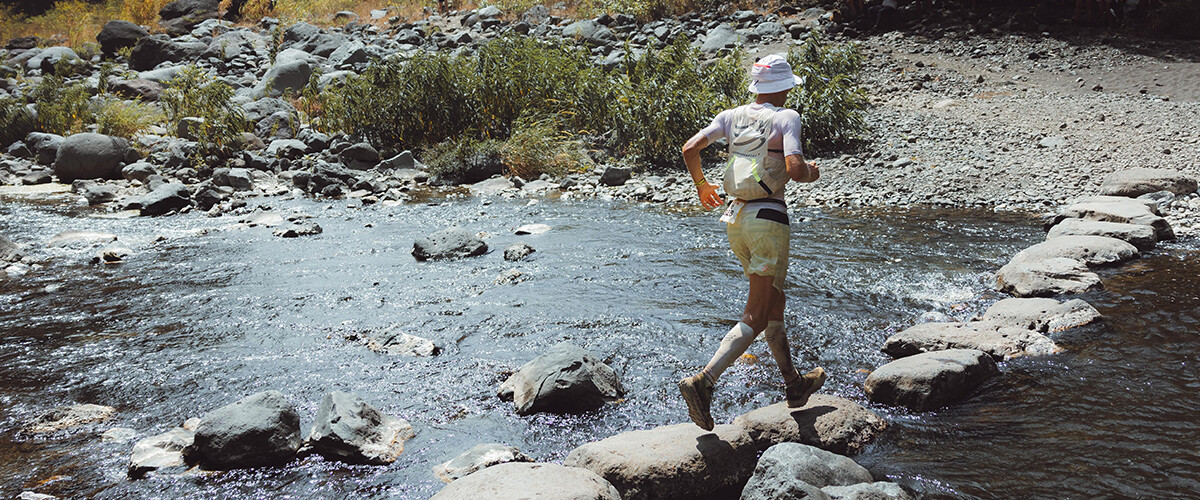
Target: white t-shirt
(785,131)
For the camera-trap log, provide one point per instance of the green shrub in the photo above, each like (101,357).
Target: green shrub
(453,157)
(16,121)
(125,119)
(831,103)
(539,146)
(62,108)
(194,93)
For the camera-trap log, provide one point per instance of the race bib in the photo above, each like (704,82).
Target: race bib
(732,211)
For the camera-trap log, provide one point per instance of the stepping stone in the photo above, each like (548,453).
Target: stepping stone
(827,422)
(1139,181)
(523,481)
(1041,314)
(1091,250)
(998,341)
(1046,278)
(1141,236)
(930,380)
(1117,209)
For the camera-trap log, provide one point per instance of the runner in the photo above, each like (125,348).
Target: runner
(765,154)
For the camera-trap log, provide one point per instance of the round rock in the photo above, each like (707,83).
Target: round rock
(930,380)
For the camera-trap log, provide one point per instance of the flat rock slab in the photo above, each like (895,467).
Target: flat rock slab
(1000,342)
(931,380)
(479,457)
(80,238)
(1117,209)
(1138,181)
(879,490)
(1141,236)
(1091,250)
(159,452)
(827,422)
(1041,314)
(449,243)
(528,481)
(1046,278)
(65,417)
(492,186)
(679,461)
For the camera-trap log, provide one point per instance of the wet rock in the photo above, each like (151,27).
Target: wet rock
(999,341)
(1116,209)
(566,378)
(479,457)
(90,156)
(931,380)
(118,435)
(614,175)
(517,251)
(793,470)
(493,186)
(9,251)
(1141,236)
(359,156)
(1091,250)
(159,452)
(1046,278)
(298,229)
(532,229)
(260,430)
(80,238)
(399,343)
(1041,314)
(449,243)
(163,199)
(179,17)
(879,490)
(66,417)
(118,34)
(112,253)
(674,461)
(522,481)
(347,429)
(1135,182)
(827,422)
(94,192)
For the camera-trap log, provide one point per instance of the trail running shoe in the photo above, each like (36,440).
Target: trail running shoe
(697,392)
(801,388)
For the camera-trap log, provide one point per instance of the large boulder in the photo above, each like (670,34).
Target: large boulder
(1141,236)
(1046,278)
(1091,250)
(361,156)
(999,341)
(150,51)
(284,77)
(590,32)
(721,38)
(255,111)
(349,430)
(930,380)
(793,470)
(47,60)
(1041,314)
(118,34)
(679,461)
(615,175)
(449,243)
(65,417)
(308,38)
(159,452)
(1139,181)
(879,490)
(161,200)
(477,458)
(827,422)
(136,88)
(567,378)
(260,430)
(179,17)
(1116,209)
(91,156)
(44,146)
(524,481)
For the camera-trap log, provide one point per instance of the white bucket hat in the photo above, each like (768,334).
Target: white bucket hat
(773,74)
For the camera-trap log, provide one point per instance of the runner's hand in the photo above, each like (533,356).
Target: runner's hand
(708,196)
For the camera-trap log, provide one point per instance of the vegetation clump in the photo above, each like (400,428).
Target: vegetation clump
(196,94)
(831,102)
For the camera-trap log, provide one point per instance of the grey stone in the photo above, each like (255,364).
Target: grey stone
(1141,236)
(998,340)
(161,75)
(523,481)
(286,148)
(827,422)
(1135,182)
(235,44)
(257,110)
(139,171)
(1046,278)
(1091,250)
(304,228)
(280,125)
(1116,209)
(190,128)
(396,342)
(137,88)
(879,490)
(531,229)
(402,161)
(1041,314)
(359,156)
(769,29)
(793,470)
(479,457)
(449,243)
(308,38)
(66,417)
(118,435)
(283,77)
(930,380)
(179,17)
(674,461)
(259,430)
(493,186)
(1052,143)
(349,54)
(566,378)
(94,192)
(517,251)
(150,51)
(236,178)
(589,32)
(720,38)
(44,146)
(159,452)
(29,495)
(90,156)
(118,34)
(80,238)
(162,199)
(9,251)
(614,175)
(347,429)
(48,58)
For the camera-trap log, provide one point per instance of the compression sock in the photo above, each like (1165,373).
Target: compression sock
(776,337)
(732,347)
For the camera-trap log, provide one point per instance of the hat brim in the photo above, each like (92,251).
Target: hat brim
(776,86)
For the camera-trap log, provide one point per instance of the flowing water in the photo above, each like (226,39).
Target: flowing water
(212,312)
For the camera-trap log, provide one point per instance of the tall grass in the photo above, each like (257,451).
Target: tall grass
(831,104)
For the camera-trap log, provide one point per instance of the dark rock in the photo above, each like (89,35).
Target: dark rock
(306,228)
(36,177)
(260,430)
(402,161)
(280,125)
(161,200)
(179,17)
(65,417)
(334,190)
(138,88)
(566,378)
(159,452)
(930,380)
(256,111)
(794,470)
(347,429)
(675,461)
(522,481)
(153,50)
(449,243)
(615,175)
(117,35)
(517,251)
(139,171)
(209,196)
(90,156)
(827,422)
(478,458)
(236,178)
(359,156)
